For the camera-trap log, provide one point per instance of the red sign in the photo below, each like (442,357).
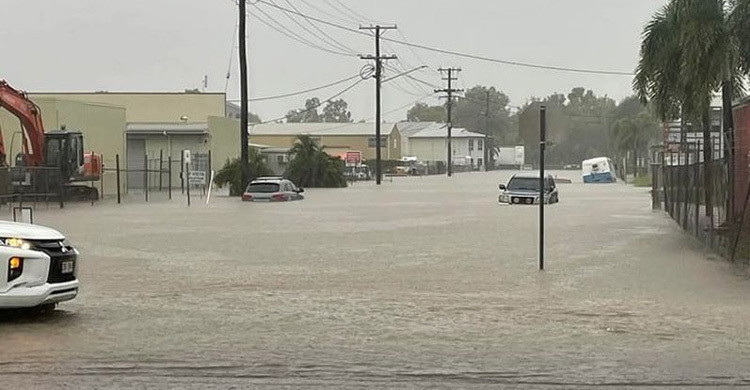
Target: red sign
(353,158)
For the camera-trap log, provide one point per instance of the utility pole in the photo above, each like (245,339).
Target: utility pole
(449,91)
(243,93)
(542,186)
(378,82)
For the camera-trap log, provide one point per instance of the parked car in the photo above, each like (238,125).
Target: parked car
(40,267)
(523,188)
(272,189)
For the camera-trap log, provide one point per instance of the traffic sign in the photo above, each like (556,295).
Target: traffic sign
(197,178)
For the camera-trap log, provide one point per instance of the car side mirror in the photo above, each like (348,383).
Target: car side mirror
(501,187)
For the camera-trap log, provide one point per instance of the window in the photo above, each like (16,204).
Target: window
(383,142)
(262,188)
(480,145)
(479,162)
(280,159)
(471,145)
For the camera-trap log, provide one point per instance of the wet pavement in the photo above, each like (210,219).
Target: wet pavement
(422,283)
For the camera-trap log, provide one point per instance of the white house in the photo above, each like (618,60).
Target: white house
(431,144)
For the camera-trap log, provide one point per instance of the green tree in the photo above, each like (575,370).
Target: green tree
(231,173)
(485,110)
(634,134)
(306,115)
(336,111)
(313,167)
(421,112)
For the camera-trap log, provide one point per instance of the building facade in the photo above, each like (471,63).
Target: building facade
(431,145)
(334,138)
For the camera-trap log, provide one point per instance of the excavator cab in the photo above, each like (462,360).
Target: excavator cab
(64,149)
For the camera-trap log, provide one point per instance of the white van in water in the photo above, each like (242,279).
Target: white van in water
(598,170)
(39,267)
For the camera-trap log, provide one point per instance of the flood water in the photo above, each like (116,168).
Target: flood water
(421,283)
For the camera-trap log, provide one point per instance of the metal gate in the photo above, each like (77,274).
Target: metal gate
(135,167)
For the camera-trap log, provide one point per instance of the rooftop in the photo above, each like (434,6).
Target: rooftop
(320,129)
(440,130)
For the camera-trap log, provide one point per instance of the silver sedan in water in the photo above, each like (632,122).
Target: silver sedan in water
(272,189)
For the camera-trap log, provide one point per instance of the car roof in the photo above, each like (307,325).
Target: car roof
(268,180)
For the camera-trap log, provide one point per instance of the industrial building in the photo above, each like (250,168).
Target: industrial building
(139,127)
(334,138)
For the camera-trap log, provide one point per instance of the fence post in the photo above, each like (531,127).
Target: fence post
(61,186)
(169,176)
(182,171)
(161,165)
(685,197)
(145,176)
(187,174)
(101,179)
(117,169)
(697,190)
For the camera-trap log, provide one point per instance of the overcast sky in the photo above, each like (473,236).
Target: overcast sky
(169,45)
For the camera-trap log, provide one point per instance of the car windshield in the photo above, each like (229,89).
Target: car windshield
(262,188)
(525,184)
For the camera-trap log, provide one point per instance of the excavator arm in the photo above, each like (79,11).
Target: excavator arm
(19,104)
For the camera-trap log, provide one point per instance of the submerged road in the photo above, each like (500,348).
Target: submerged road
(421,283)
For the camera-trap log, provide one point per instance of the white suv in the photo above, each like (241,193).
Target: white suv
(39,267)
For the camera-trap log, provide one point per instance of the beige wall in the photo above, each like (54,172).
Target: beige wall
(152,107)
(224,141)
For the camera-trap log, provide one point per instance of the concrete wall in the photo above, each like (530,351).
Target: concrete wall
(103,128)
(152,107)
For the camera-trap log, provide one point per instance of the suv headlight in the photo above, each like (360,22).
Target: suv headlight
(504,198)
(16,243)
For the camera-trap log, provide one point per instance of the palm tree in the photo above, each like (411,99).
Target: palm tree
(691,49)
(634,134)
(313,167)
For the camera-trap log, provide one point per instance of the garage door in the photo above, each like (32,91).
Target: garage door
(136,151)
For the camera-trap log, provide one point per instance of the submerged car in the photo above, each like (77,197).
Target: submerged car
(272,189)
(523,188)
(40,267)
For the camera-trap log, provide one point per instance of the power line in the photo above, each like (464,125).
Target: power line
(231,58)
(333,42)
(356,14)
(299,92)
(456,53)
(345,90)
(289,33)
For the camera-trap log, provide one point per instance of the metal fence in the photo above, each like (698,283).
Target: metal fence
(696,194)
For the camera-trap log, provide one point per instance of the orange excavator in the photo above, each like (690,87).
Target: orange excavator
(48,159)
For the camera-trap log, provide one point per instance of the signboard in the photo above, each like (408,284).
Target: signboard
(197,178)
(353,158)
(520,155)
(186,156)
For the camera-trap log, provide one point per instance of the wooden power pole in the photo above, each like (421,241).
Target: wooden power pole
(451,72)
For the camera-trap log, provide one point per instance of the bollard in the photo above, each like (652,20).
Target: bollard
(101,179)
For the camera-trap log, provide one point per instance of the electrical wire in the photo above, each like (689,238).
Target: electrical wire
(291,34)
(231,57)
(456,53)
(345,90)
(331,41)
(286,95)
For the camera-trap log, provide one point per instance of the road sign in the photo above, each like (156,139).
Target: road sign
(353,158)
(186,156)
(197,178)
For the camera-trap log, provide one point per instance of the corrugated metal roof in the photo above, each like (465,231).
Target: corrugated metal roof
(169,128)
(407,129)
(441,131)
(320,129)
